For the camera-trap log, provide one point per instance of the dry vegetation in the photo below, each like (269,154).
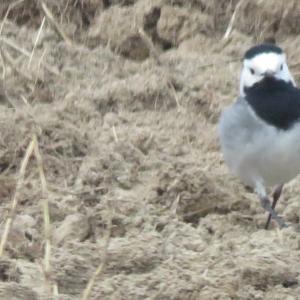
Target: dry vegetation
(108,112)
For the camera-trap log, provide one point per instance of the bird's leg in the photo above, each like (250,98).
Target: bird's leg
(266,204)
(276,195)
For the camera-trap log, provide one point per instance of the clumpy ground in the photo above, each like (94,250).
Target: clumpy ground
(130,151)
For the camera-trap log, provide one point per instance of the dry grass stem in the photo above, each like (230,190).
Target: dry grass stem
(47,229)
(26,53)
(173,93)
(146,39)
(231,23)
(69,192)
(87,292)
(55,25)
(14,203)
(12,45)
(3,66)
(36,41)
(41,60)
(115,134)
(10,7)
(174,206)
(10,62)
(51,285)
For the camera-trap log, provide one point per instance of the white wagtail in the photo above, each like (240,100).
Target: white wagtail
(260,132)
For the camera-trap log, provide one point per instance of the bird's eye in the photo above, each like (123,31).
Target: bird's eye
(281,67)
(252,71)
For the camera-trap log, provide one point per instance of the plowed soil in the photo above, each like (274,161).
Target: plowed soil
(128,137)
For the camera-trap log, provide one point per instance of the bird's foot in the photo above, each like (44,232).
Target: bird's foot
(266,204)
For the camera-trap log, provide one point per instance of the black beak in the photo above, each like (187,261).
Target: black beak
(269,74)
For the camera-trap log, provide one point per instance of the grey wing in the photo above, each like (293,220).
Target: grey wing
(238,123)
(238,126)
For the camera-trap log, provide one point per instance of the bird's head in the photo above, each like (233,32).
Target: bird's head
(263,61)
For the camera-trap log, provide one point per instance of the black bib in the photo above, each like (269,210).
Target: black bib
(275,101)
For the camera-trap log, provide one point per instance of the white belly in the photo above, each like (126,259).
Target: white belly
(273,158)
(256,151)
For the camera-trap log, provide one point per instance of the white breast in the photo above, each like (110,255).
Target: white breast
(254,150)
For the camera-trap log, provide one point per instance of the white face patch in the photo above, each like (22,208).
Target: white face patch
(256,68)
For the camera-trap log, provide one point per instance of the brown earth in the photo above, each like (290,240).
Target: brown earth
(131,138)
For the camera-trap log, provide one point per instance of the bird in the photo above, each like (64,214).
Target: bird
(259,133)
